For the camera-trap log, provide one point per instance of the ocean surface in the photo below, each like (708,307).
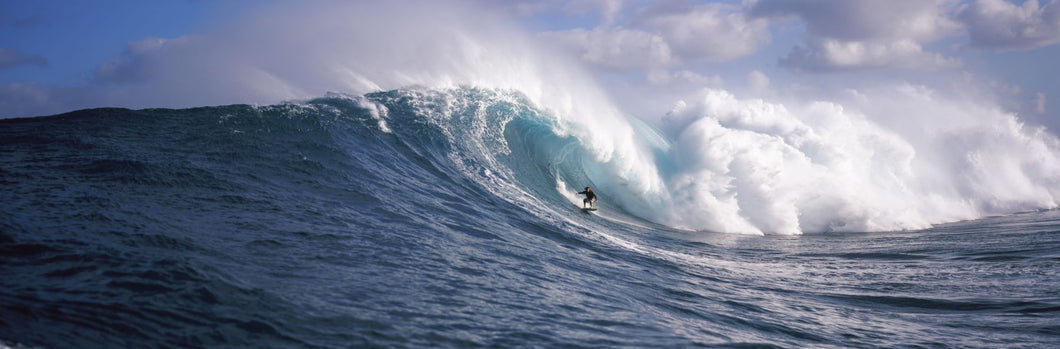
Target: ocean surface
(446,218)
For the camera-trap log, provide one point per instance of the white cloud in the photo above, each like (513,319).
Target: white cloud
(698,80)
(864,34)
(133,65)
(852,20)
(833,55)
(30,99)
(682,78)
(1003,25)
(616,48)
(711,32)
(757,80)
(608,8)
(18,99)
(666,38)
(10,58)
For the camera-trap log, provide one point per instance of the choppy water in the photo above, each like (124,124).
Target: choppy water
(432,219)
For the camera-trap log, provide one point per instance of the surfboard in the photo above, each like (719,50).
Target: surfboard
(588,209)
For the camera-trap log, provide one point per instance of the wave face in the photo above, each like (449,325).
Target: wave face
(447,217)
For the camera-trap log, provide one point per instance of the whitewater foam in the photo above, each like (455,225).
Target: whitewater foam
(748,165)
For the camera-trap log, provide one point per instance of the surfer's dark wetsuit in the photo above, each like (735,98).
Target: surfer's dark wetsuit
(590,197)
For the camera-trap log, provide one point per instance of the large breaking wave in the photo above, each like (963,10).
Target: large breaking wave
(898,157)
(734,165)
(392,218)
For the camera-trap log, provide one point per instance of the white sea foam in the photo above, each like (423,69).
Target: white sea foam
(753,166)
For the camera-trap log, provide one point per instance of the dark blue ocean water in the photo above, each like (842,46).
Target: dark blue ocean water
(433,221)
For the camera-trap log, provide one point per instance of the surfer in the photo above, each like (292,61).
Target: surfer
(590,197)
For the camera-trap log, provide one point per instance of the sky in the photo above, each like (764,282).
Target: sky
(57,56)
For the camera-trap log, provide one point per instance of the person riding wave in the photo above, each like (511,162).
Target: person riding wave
(590,197)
